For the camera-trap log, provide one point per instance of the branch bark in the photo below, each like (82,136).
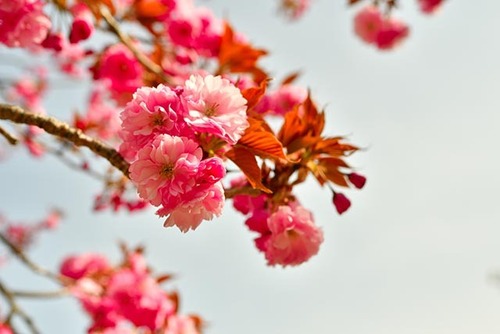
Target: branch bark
(63,130)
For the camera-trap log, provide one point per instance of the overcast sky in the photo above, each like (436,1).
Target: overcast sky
(414,253)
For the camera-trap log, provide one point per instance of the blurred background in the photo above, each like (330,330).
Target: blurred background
(416,251)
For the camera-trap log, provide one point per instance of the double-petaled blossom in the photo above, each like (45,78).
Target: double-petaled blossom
(151,112)
(188,215)
(23,23)
(293,237)
(215,106)
(168,165)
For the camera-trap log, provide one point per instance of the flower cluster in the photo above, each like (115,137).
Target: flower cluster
(23,235)
(23,23)
(164,130)
(287,233)
(124,298)
(381,29)
(374,28)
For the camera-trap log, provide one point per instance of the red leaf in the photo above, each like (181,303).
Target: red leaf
(254,94)
(260,140)
(247,162)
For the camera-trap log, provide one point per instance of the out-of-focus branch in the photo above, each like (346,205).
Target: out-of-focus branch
(60,129)
(10,138)
(15,309)
(29,263)
(40,294)
(129,43)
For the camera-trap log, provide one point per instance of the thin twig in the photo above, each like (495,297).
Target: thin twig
(60,129)
(129,43)
(40,294)
(10,137)
(15,309)
(30,264)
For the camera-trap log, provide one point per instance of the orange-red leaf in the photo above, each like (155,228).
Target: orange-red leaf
(247,162)
(290,78)
(259,139)
(240,57)
(254,94)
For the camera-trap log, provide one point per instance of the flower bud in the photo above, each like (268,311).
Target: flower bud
(81,29)
(341,202)
(357,180)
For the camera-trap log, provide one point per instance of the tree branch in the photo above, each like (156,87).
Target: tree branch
(10,138)
(30,264)
(40,294)
(129,43)
(60,129)
(16,309)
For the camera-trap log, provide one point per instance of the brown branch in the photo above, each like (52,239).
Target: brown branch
(29,263)
(10,138)
(129,43)
(60,129)
(15,309)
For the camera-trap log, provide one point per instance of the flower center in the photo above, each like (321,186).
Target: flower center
(211,110)
(167,171)
(157,120)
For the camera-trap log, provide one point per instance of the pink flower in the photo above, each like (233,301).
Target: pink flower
(429,6)
(139,299)
(23,24)
(357,180)
(54,42)
(294,237)
(189,214)
(151,111)
(368,23)
(195,28)
(392,33)
(282,100)
(122,69)
(215,106)
(168,163)
(102,117)
(341,202)
(20,235)
(79,266)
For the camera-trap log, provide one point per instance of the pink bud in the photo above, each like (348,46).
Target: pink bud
(54,42)
(81,29)
(357,180)
(341,202)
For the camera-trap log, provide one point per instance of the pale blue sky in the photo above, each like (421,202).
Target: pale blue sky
(413,254)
